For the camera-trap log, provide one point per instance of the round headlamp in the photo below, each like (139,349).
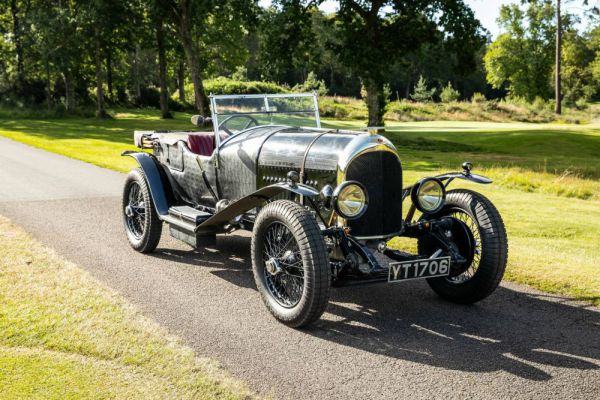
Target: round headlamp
(350,200)
(428,195)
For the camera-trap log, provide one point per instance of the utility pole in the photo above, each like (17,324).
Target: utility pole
(557,88)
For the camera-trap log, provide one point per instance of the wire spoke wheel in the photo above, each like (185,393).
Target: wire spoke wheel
(475,247)
(283,268)
(135,211)
(479,236)
(290,263)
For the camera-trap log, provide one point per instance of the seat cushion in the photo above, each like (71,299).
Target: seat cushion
(201,143)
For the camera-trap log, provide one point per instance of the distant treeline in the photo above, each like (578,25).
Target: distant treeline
(93,53)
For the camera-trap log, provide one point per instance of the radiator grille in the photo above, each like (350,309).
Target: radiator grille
(381,173)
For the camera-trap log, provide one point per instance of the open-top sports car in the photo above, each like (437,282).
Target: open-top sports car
(322,205)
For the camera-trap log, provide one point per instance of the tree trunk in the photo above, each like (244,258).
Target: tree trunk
(48,84)
(557,88)
(14,9)
(200,100)
(100,112)
(109,74)
(375,102)
(69,91)
(181,82)
(162,70)
(136,74)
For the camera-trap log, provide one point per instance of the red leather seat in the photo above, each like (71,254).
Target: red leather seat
(201,143)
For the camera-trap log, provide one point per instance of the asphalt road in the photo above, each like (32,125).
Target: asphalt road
(375,342)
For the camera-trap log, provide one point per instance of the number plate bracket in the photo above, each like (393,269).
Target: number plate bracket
(419,269)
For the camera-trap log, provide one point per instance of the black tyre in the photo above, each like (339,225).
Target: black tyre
(290,263)
(140,218)
(478,233)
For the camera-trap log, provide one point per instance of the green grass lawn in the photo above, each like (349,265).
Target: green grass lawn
(63,335)
(547,179)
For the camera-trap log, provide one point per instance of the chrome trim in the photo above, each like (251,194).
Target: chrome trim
(362,144)
(258,96)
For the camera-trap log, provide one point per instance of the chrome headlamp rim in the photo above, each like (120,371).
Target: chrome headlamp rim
(335,199)
(414,195)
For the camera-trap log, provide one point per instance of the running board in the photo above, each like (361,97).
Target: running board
(183,222)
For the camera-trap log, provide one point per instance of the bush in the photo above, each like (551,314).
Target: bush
(312,84)
(421,93)
(449,94)
(581,104)
(224,85)
(539,104)
(342,108)
(478,98)
(57,111)
(240,74)
(149,97)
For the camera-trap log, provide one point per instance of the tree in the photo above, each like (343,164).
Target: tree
(576,74)
(558,56)
(421,93)
(208,31)
(594,66)
(286,40)
(157,10)
(522,56)
(107,23)
(17,35)
(375,34)
(312,83)
(449,94)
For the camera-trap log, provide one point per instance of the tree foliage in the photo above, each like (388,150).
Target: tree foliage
(421,93)
(376,34)
(63,54)
(449,94)
(522,58)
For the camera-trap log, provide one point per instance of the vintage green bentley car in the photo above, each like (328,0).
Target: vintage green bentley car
(322,205)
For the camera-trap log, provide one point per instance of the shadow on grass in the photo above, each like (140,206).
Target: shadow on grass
(520,333)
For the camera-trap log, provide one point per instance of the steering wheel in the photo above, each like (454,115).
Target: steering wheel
(251,122)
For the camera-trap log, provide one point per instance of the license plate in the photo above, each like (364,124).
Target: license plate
(419,269)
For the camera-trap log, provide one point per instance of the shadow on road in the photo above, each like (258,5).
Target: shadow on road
(511,331)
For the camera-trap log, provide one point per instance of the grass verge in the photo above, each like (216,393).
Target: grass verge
(516,110)
(63,335)
(553,241)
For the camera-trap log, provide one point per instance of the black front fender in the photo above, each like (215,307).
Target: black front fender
(254,200)
(450,176)
(153,178)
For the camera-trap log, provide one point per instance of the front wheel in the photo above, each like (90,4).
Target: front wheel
(290,263)
(479,235)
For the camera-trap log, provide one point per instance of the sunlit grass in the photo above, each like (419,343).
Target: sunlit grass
(553,241)
(63,335)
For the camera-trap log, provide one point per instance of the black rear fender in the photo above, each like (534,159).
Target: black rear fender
(160,188)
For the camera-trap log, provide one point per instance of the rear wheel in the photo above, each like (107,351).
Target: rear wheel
(290,263)
(479,235)
(142,225)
